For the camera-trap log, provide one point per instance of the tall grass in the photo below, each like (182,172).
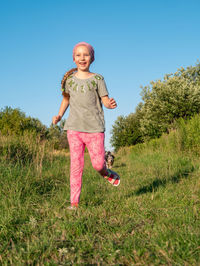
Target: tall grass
(25,150)
(152,218)
(189,134)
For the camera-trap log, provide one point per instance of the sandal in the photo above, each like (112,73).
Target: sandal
(112,177)
(73,207)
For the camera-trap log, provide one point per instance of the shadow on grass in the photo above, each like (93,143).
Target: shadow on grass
(162,182)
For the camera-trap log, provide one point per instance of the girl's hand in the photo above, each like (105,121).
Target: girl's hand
(112,103)
(56,119)
(109,103)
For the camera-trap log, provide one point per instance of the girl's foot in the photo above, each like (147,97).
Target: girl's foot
(112,177)
(73,207)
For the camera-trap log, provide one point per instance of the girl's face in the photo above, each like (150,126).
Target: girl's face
(82,58)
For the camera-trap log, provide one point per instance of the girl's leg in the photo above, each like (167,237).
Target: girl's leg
(77,148)
(95,145)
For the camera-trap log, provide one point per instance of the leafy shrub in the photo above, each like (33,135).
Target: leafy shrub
(15,122)
(164,102)
(126,131)
(185,138)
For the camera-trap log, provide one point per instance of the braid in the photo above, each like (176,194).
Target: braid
(67,74)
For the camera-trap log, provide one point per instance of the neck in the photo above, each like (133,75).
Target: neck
(83,74)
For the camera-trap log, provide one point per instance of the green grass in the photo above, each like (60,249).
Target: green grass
(152,218)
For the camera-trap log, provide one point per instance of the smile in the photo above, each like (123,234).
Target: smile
(82,63)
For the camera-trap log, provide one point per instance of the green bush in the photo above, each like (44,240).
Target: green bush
(164,102)
(126,131)
(177,96)
(15,122)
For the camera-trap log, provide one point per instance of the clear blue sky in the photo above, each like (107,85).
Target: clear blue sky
(135,42)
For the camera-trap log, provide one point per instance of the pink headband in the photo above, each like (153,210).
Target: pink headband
(90,48)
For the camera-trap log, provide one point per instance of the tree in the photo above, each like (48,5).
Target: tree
(15,122)
(178,95)
(163,102)
(125,131)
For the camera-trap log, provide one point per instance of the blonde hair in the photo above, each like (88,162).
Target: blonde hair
(67,74)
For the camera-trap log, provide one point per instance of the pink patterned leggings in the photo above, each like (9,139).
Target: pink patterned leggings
(95,145)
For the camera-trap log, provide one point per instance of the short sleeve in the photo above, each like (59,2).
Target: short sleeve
(66,87)
(102,88)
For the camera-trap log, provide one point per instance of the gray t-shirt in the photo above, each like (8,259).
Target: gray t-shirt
(86,112)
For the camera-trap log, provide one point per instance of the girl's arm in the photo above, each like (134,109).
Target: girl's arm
(109,103)
(63,107)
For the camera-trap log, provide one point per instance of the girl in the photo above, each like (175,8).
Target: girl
(85,92)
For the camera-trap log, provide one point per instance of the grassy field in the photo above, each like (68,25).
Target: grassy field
(152,218)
